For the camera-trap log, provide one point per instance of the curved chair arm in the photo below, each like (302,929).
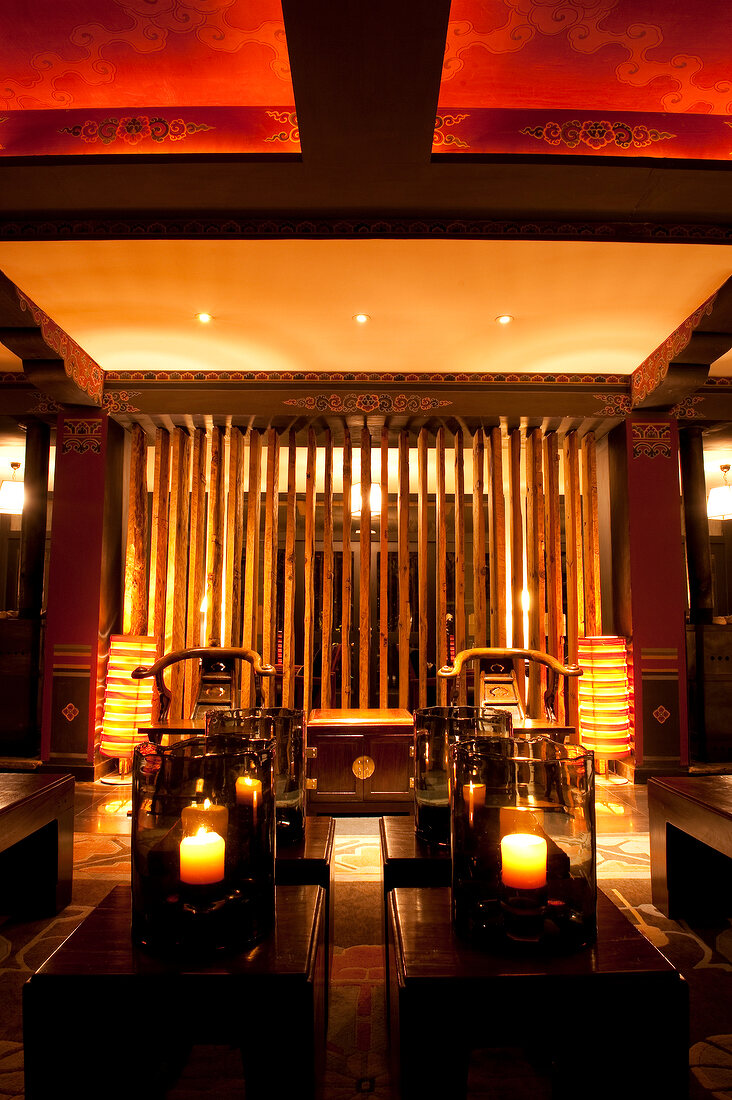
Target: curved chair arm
(555,668)
(203,652)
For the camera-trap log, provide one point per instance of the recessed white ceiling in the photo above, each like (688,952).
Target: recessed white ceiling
(579,307)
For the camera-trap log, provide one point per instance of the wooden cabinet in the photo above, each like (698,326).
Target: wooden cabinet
(359,761)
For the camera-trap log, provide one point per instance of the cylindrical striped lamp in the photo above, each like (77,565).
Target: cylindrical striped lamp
(127,702)
(604,695)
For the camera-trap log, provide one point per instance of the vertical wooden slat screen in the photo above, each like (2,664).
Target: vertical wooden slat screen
(535,564)
(441,563)
(480,633)
(196,565)
(308,626)
(159,540)
(347,574)
(288,626)
(269,596)
(497,542)
(135,592)
(175,589)
(234,541)
(405,614)
(384,573)
(326,646)
(422,543)
(364,593)
(553,546)
(250,624)
(460,636)
(593,617)
(517,555)
(573,557)
(215,538)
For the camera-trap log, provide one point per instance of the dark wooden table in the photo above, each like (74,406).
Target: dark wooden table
(36,842)
(566,1011)
(107,1018)
(690,821)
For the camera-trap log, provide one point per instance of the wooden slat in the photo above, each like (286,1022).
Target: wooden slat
(364,594)
(158,539)
(234,540)
(405,613)
(536,582)
(573,558)
(593,616)
(288,625)
(347,574)
(135,596)
(384,574)
(215,538)
(518,640)
(497,542)
(175,593)
(196,566)
(250,602)
(441,563)
(460,634)
(269,596)
(422,544)
(308,625)
(326,646)
(553,548)
(480,633)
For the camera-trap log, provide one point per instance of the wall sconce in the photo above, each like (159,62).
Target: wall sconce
(127,702)
(12,494)
(604,695)
(374,498)
(719,501)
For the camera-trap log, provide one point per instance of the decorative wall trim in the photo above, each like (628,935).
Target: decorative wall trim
(115,401)
(652,371)
(81,436)
(596,133)
(686,408)
(651,439)
(79,366)
(367,403)
(368,377)
(614,404)
(132,129)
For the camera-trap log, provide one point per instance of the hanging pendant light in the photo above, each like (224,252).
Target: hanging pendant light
(12,494)
(719,501)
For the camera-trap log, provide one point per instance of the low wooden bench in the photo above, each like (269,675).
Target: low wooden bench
(36,842)
(690,820)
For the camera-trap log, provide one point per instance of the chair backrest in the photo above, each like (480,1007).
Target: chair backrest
(216,688)
(499,683)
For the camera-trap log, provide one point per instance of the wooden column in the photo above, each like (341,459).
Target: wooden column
(535,566)
(269,598)
(234,612)
(288,627)
(347,574)
(215,538)
(573,560)
(175,591)
(250,627)
(441,565)
(422,544)
(159,541)
(134,619)
(384,574)
(497,542)
(308,625)
(196,565)
(326,646)
(405,611)
(33,524)
(364,594)
(593,615)
(460,634)
(480,632)
(696,524)
(518,640)
(553,547)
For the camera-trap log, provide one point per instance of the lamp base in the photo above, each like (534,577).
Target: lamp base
(117,779)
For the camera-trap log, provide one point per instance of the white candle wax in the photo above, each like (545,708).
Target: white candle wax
(202,858)
(205,815)
(523,861)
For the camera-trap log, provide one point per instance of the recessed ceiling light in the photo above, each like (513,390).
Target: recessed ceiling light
(361,318)
(504,319)
(204,318)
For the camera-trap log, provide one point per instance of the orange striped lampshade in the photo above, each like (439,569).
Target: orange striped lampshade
(127,702)
(604,695)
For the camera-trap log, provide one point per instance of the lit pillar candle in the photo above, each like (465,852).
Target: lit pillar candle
(474,795)
(202,858)
(205,815)
(249,793)
(523,861)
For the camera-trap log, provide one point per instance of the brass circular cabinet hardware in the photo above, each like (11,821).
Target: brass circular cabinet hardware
(363,767)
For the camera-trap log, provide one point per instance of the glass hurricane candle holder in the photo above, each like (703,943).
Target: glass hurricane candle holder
(289,732)
(523,842)
(203,842)
(435,730)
